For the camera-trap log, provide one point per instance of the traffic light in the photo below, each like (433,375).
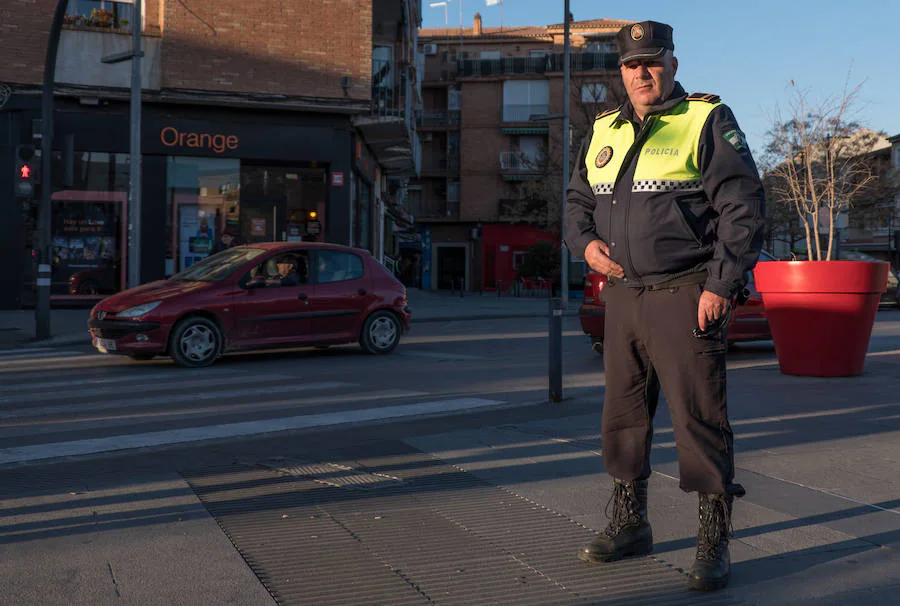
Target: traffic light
(25,176)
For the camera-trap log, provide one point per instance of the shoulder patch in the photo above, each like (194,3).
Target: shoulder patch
(607,112)
(708,97)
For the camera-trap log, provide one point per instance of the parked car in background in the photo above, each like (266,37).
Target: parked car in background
(748,323)
(891,293)
(257,296)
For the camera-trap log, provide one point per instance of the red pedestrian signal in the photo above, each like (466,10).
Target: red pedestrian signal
(25,171)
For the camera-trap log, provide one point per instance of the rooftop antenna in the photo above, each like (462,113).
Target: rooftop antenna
(444,4)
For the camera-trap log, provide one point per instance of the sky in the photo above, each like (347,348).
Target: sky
(748,52)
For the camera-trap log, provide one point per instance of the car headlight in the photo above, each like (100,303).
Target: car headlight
(138,310)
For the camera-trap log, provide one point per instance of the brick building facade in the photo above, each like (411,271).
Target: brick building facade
(274,120)
(491,170)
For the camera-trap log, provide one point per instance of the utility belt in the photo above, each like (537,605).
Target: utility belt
(698,277)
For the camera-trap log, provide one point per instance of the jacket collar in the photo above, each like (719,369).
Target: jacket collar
(678,95)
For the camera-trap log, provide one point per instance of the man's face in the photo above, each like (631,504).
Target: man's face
(285,267)
(649,82)
(227,239)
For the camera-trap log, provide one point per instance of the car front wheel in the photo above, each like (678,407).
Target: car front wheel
(380,333)
(196,342)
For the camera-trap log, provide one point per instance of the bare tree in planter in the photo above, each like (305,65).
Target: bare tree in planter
(818,164)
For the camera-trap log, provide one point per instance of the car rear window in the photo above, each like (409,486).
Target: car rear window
(338,266)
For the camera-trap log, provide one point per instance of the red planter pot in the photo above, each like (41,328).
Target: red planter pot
(821,313)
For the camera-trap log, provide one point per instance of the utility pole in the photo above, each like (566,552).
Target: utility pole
(134,173)
(45,224)
(558,306)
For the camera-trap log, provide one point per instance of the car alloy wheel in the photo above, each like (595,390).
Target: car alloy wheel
(381,333)
(196,342)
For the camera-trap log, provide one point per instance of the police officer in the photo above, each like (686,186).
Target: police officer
(666,200)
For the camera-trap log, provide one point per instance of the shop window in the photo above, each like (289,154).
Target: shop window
(204,202)
(518,258)
(89,220)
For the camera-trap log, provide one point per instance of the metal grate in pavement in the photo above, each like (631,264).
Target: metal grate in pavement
(437,536)
(334,474)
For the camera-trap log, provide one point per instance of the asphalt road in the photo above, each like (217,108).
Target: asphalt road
(76,402)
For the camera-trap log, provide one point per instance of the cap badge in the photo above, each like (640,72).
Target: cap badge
(637,32)
(604,157)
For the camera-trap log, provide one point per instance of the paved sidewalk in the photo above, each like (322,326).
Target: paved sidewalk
(69,326)
(473,510)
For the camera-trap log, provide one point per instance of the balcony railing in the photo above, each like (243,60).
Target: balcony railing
(388,97)
(523,113)
(579,62)
(519,161)
(433,209)
(437,118)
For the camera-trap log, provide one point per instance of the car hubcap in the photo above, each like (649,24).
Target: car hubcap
(198,343)
(383,332)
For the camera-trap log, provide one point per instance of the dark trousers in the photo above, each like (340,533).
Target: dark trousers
(648,344)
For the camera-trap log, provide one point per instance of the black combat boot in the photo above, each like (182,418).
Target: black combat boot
(628,532)
(712,567)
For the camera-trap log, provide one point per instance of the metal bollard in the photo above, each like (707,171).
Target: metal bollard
(462,288)
(555,353)
(499,287)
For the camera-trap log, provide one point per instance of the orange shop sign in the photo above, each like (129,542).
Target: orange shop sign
(215,142)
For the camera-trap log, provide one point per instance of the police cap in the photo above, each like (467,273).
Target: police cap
(644,40)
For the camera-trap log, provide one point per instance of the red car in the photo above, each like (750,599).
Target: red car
(254,297)
(749,322)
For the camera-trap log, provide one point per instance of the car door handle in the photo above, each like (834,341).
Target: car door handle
(361,291)
(303,296)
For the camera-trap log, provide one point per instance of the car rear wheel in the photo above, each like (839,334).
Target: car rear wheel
(380,333)
(196,342)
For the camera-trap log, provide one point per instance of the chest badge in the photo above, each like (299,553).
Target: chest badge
(604,157)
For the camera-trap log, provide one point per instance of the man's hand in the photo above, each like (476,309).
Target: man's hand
(711,308)
(597,257)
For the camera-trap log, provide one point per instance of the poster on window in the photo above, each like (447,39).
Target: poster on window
(84,252)
(196,233)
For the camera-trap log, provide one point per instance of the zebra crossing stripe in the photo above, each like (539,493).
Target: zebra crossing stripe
(41,452)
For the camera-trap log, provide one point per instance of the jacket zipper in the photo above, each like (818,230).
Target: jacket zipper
(635,148)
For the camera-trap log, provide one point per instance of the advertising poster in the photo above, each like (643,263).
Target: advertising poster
(196,233)
(84,246)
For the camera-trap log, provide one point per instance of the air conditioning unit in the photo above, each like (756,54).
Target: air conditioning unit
(429,49)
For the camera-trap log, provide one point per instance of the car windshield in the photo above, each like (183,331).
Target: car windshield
(218,266)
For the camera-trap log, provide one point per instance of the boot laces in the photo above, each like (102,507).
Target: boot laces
(715,527)
(625,506)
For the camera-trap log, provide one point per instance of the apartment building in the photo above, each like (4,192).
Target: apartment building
(491,148)
(275,120)
(874,226)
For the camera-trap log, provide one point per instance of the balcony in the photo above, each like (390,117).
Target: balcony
(437,119)
(79,59)
(520,166)
(389,128)
(579,62)
(522,113)
(433,210)
(440,76)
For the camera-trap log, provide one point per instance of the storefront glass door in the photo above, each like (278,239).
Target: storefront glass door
(282,204)
(204,201)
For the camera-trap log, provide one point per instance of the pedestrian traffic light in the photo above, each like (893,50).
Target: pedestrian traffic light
(25,171)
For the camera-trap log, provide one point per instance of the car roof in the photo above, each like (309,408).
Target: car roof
(286,246)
